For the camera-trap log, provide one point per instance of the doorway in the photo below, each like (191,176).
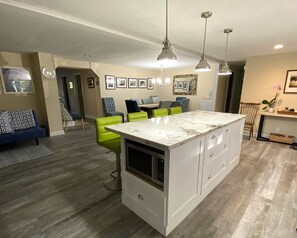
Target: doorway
(234,90)
(70,91)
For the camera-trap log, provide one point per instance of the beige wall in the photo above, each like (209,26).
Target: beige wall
(120,94)
(23,101)
(261,73)
(93,97)
(51,96)
(206,82)
(46,98)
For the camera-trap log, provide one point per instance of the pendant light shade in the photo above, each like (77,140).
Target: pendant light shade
(203,66)
(167,56)
(225,70)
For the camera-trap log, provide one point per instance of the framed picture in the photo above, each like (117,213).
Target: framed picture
(132,82)
(110,82)
(150,85)
(17,80)
(185,84)
(91,83)
(121,82)
(142,83)
(291,82)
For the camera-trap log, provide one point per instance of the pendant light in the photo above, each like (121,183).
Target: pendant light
(167,56)
(203,66)
(161,81)
(225,70)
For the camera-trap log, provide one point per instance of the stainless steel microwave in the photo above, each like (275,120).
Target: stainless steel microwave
(145,161)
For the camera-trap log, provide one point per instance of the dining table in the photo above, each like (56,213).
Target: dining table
(148,108)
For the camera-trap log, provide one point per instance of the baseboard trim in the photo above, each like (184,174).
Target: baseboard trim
(57,133)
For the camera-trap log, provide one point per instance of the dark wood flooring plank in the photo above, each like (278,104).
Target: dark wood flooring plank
(62,195)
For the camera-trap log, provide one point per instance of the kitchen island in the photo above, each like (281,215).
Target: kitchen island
(170,164)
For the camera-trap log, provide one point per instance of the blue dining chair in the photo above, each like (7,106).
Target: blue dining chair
(109,108)
(131,106)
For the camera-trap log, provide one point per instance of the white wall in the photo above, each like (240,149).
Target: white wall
(261,74)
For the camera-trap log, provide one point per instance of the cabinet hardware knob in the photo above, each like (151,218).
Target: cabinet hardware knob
(225,146)
(140,196)
(223,165)
(213,137)
(209,177)
(227,130)
(211,155)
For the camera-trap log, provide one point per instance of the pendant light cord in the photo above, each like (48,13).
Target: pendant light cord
(226,47)
(203,50)
(166,38)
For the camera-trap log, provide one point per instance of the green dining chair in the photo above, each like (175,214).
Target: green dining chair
(111,141)
(175,110)
(137,116)
(162,112)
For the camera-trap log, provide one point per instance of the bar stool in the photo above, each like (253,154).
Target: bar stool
(137,116)
(162,112)
(175,110)
(111,141)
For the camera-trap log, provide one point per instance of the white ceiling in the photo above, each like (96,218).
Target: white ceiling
(130,32)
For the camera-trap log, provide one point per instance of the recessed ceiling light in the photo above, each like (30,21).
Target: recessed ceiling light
(278,46)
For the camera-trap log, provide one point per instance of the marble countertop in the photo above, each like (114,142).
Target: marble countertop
(171,131)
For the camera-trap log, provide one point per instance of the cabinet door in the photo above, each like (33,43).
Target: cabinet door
(142,198)
(235,143)
(184,187)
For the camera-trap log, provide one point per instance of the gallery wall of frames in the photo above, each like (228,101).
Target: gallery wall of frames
(112,82)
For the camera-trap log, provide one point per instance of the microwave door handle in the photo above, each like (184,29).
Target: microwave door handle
(154,171)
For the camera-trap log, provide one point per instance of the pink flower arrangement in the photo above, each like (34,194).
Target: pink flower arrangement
(271,103)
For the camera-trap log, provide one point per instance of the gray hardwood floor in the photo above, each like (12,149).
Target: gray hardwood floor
(62,195)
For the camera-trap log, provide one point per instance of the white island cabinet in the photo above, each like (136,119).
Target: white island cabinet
(192,153)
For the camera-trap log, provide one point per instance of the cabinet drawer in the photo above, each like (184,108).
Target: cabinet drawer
(148,201)
(226,131)
(214,168)
(216,144)
(211,140)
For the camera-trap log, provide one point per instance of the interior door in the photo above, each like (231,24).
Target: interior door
(73,87)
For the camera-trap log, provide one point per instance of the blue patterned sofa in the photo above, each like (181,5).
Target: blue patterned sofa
(19,125)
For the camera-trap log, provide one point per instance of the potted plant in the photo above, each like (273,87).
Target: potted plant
(270,104)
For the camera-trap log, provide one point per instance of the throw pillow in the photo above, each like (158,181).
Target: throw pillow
(22,119)
(5,126)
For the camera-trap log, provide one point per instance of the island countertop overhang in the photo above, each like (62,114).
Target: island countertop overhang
(172,131)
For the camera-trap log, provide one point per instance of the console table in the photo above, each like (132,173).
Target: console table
(262,119)
(198,148)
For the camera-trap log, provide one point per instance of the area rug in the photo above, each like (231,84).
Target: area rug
(21,152)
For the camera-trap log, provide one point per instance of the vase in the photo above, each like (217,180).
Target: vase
(271,109)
